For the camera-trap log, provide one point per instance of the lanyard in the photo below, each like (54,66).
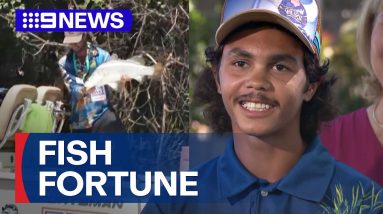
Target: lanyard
(86,64)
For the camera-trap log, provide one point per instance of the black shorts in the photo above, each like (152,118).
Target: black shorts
(108,122)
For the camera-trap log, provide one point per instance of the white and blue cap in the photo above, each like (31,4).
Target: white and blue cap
(301,17)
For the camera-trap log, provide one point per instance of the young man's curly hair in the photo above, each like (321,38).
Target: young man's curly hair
(317,110)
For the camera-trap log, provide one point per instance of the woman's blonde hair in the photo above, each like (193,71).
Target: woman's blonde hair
(370,88)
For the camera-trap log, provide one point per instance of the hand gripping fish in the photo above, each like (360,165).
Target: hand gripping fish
(110,73)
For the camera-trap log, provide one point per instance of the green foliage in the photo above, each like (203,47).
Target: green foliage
(345,65)
(7,9)
(202,31)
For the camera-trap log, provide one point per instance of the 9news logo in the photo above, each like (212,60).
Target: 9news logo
(73,20)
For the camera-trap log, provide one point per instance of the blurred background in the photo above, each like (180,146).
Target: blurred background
(339,21)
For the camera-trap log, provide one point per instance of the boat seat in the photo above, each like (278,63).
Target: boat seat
(13,110)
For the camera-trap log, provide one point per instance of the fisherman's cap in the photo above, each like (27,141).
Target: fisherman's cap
(301,17)
(72,37)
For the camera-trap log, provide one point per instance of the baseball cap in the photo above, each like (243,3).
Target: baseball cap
(300,17)
(72,37)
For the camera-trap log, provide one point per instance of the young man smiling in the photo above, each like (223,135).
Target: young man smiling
(267,87)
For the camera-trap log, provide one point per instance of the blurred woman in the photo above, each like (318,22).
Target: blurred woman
(357,137)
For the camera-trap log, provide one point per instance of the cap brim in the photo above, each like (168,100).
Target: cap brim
(259,15)
(72,39)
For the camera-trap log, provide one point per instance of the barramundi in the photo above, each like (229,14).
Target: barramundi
(110,73)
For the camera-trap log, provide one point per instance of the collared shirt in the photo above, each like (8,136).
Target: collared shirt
(85,108)
(316,184)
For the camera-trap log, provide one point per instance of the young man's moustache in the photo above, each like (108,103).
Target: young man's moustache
(258,97)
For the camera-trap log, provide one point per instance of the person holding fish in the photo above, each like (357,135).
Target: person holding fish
(89,106)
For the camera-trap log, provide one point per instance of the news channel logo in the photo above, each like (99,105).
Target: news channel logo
(73,20)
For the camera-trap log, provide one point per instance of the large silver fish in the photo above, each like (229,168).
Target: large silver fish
(110,73)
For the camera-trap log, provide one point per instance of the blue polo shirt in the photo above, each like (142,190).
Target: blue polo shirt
(316,184)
